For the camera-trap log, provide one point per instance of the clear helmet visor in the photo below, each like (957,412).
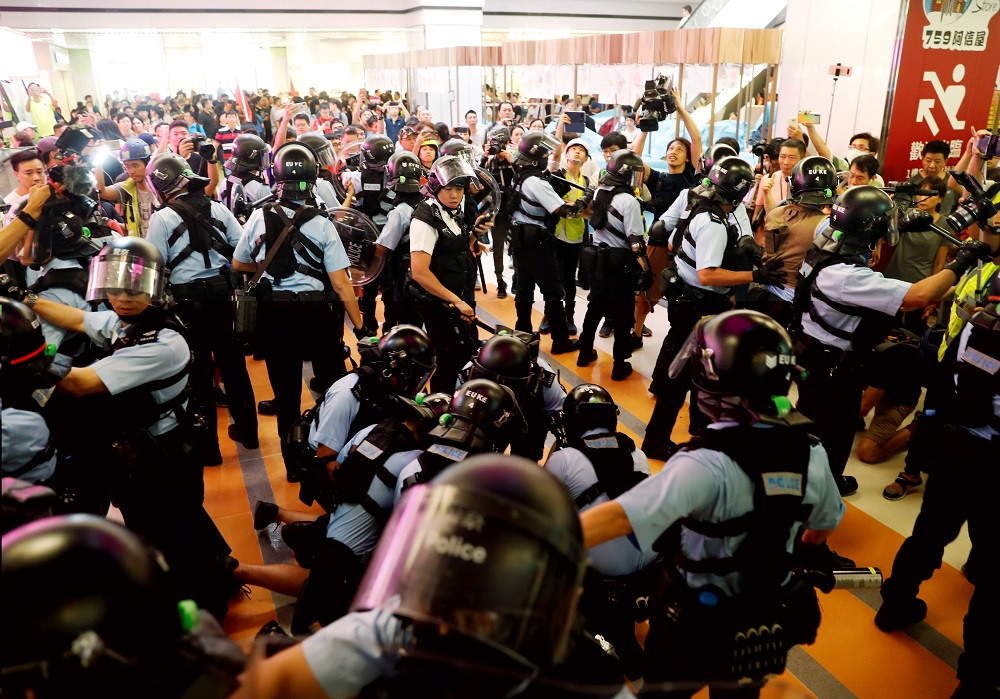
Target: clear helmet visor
(452,170)
(159,200)
(892,229)
(114,274)
(688,351)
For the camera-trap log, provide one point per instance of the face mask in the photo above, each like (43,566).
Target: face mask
(853,153)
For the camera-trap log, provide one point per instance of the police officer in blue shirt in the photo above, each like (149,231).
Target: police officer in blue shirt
(157,486)
(733,572)
(197,236)
(471,592)
(244,175)
(532,238)
(846,310)
(707,264)
(307,287)
(612,264)
(403,177)
(597,463)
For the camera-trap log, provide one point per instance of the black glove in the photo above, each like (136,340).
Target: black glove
(748,249)
(968,254)
(658,234)
(363,332)
(770,273)
(916,221)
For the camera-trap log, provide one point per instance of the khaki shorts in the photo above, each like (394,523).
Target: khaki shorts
(888,418)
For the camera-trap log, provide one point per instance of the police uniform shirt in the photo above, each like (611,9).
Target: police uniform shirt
(712,240)
(354,177)
(617,557)
(359,648)
(326,194)
(351,524)
(54,335)
(338,411)
(536,189)
(678,210)
(254,190)
(397,223)
(986,431)
(25,434)
(139,364)
(450,451)
(161,227)
(852,286)
(631,211)
(423,237)
(319,230)
(710,487)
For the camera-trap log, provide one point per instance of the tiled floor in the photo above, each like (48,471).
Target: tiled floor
(850,658)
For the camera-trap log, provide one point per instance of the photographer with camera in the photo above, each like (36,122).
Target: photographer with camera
(775,188)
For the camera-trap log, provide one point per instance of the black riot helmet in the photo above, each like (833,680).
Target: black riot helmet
(320,147)
(506,360)
(376,151)
(489,553)
(813,181)
(408,357)
(860,218)
(295,171)
(170,175)
(249,154)
(131,265)
(83,639)
(438,402)
(731,178)
(460,149)
(741,362)
(478,412)
(589,407)
(21,338)
(625,169)
(534,149)
(449,171)
(403,172)
(714,155)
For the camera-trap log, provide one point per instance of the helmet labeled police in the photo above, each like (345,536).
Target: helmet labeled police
(731,178)
(813,181)
(403,172)
(409,359)
(489,551)
(506,360)
(625,169)
(295,171)
(130,265)
(478,412)
(589,407)
(714,155)
(741,362)
(249,154)
(170,175)
(535,148)
(861,217)
(320,147)
(136,149)
(376,151)
(449,171)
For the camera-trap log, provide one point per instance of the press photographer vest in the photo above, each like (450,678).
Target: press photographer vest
(204,232)
(611,457)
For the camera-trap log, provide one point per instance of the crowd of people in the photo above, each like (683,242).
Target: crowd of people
(155,248)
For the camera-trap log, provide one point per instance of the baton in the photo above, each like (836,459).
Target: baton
(574,185)
(482,274)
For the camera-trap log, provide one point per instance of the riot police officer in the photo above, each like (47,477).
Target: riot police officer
(679,208)
(532,238)
(970,412)
(305,288)
(155,483)
(597,463)
(845,310)
(731,571)
(244,181)
(496,160)
(85,638)
(612,263)
(442,268)
(458,538)
(326,193)
(197,236)
(789,230)
(707,264)
(402,177)
(511,359)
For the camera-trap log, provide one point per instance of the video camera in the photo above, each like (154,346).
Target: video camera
(655,105)
(73,177)
(978,207)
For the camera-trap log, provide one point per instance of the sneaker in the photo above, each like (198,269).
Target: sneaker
(896,616)
(659,451)
(544,326)
(903,484)
(635,341)
(248,441)
(220,397)
(501,292)
(646,332)
(587,357)
(264,515)
(564,346)
(847,485)
(621,371)
(606,329)
(267,407)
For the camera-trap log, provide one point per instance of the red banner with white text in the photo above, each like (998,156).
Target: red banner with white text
(947,75)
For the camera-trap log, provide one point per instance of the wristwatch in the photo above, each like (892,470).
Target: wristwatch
(27,219)
(29,299)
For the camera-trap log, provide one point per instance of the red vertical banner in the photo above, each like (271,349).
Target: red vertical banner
(946,76)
